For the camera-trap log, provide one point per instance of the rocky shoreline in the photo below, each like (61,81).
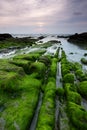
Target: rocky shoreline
(7,41)
(63,84)
(78,38)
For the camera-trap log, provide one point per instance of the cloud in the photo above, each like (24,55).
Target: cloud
(28,10)
(45,14)
(77,13)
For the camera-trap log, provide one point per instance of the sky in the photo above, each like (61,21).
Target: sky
(43,16)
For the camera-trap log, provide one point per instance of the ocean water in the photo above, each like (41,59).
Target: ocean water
(28,35)
(37,35)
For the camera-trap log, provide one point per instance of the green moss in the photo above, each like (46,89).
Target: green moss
(84,61)
(63,54)
(77,115)
(60,93)
(19,111)
(17,42)
(38,52)
(6,66)
(57,53)
(9,81)
(72,96)
(65,69)
(68,78)
(47,44)
(53,67)
(22,63)
(80,75)
(77,66)
(30,56)
(63,120)
(45,59)
(82,88)
(66,66)
(39,68)
(48,109)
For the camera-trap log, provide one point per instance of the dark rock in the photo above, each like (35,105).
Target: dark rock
(71,53)
(55,41)
(14,47)
(84,61)
(82,38)
(45,60)
(63,36)
(41,37)
(5,36)
(85,54)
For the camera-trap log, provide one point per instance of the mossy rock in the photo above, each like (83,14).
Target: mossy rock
(53,67)
(65,67)
(84,61)
(63,61)
(85,54)
(47,108)
(45,59)
(60,92)
(80,75)
(30,56)
(77,115)
(74,97)
(71,95)
(6,66)
(25,64)
(68,78)
(63,120)
(57,53)
(71,66)
(63,54)
(77,66)
(82,88)
(50,90)
(19,111)
(9,81)
(41,52)
(39,68)
(65,70)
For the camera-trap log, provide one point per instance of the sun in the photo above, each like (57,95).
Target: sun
(40,24)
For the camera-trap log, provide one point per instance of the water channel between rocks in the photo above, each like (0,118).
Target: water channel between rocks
(58,84)
(84,104)
(35,118)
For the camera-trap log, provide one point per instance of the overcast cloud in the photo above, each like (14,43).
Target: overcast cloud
(43,16)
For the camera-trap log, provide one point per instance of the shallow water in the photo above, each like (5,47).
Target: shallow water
(78,51)
(74,52)
(84,104)
(52,49)
(58,84)
(48,38)
(2,124)
(35,118)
